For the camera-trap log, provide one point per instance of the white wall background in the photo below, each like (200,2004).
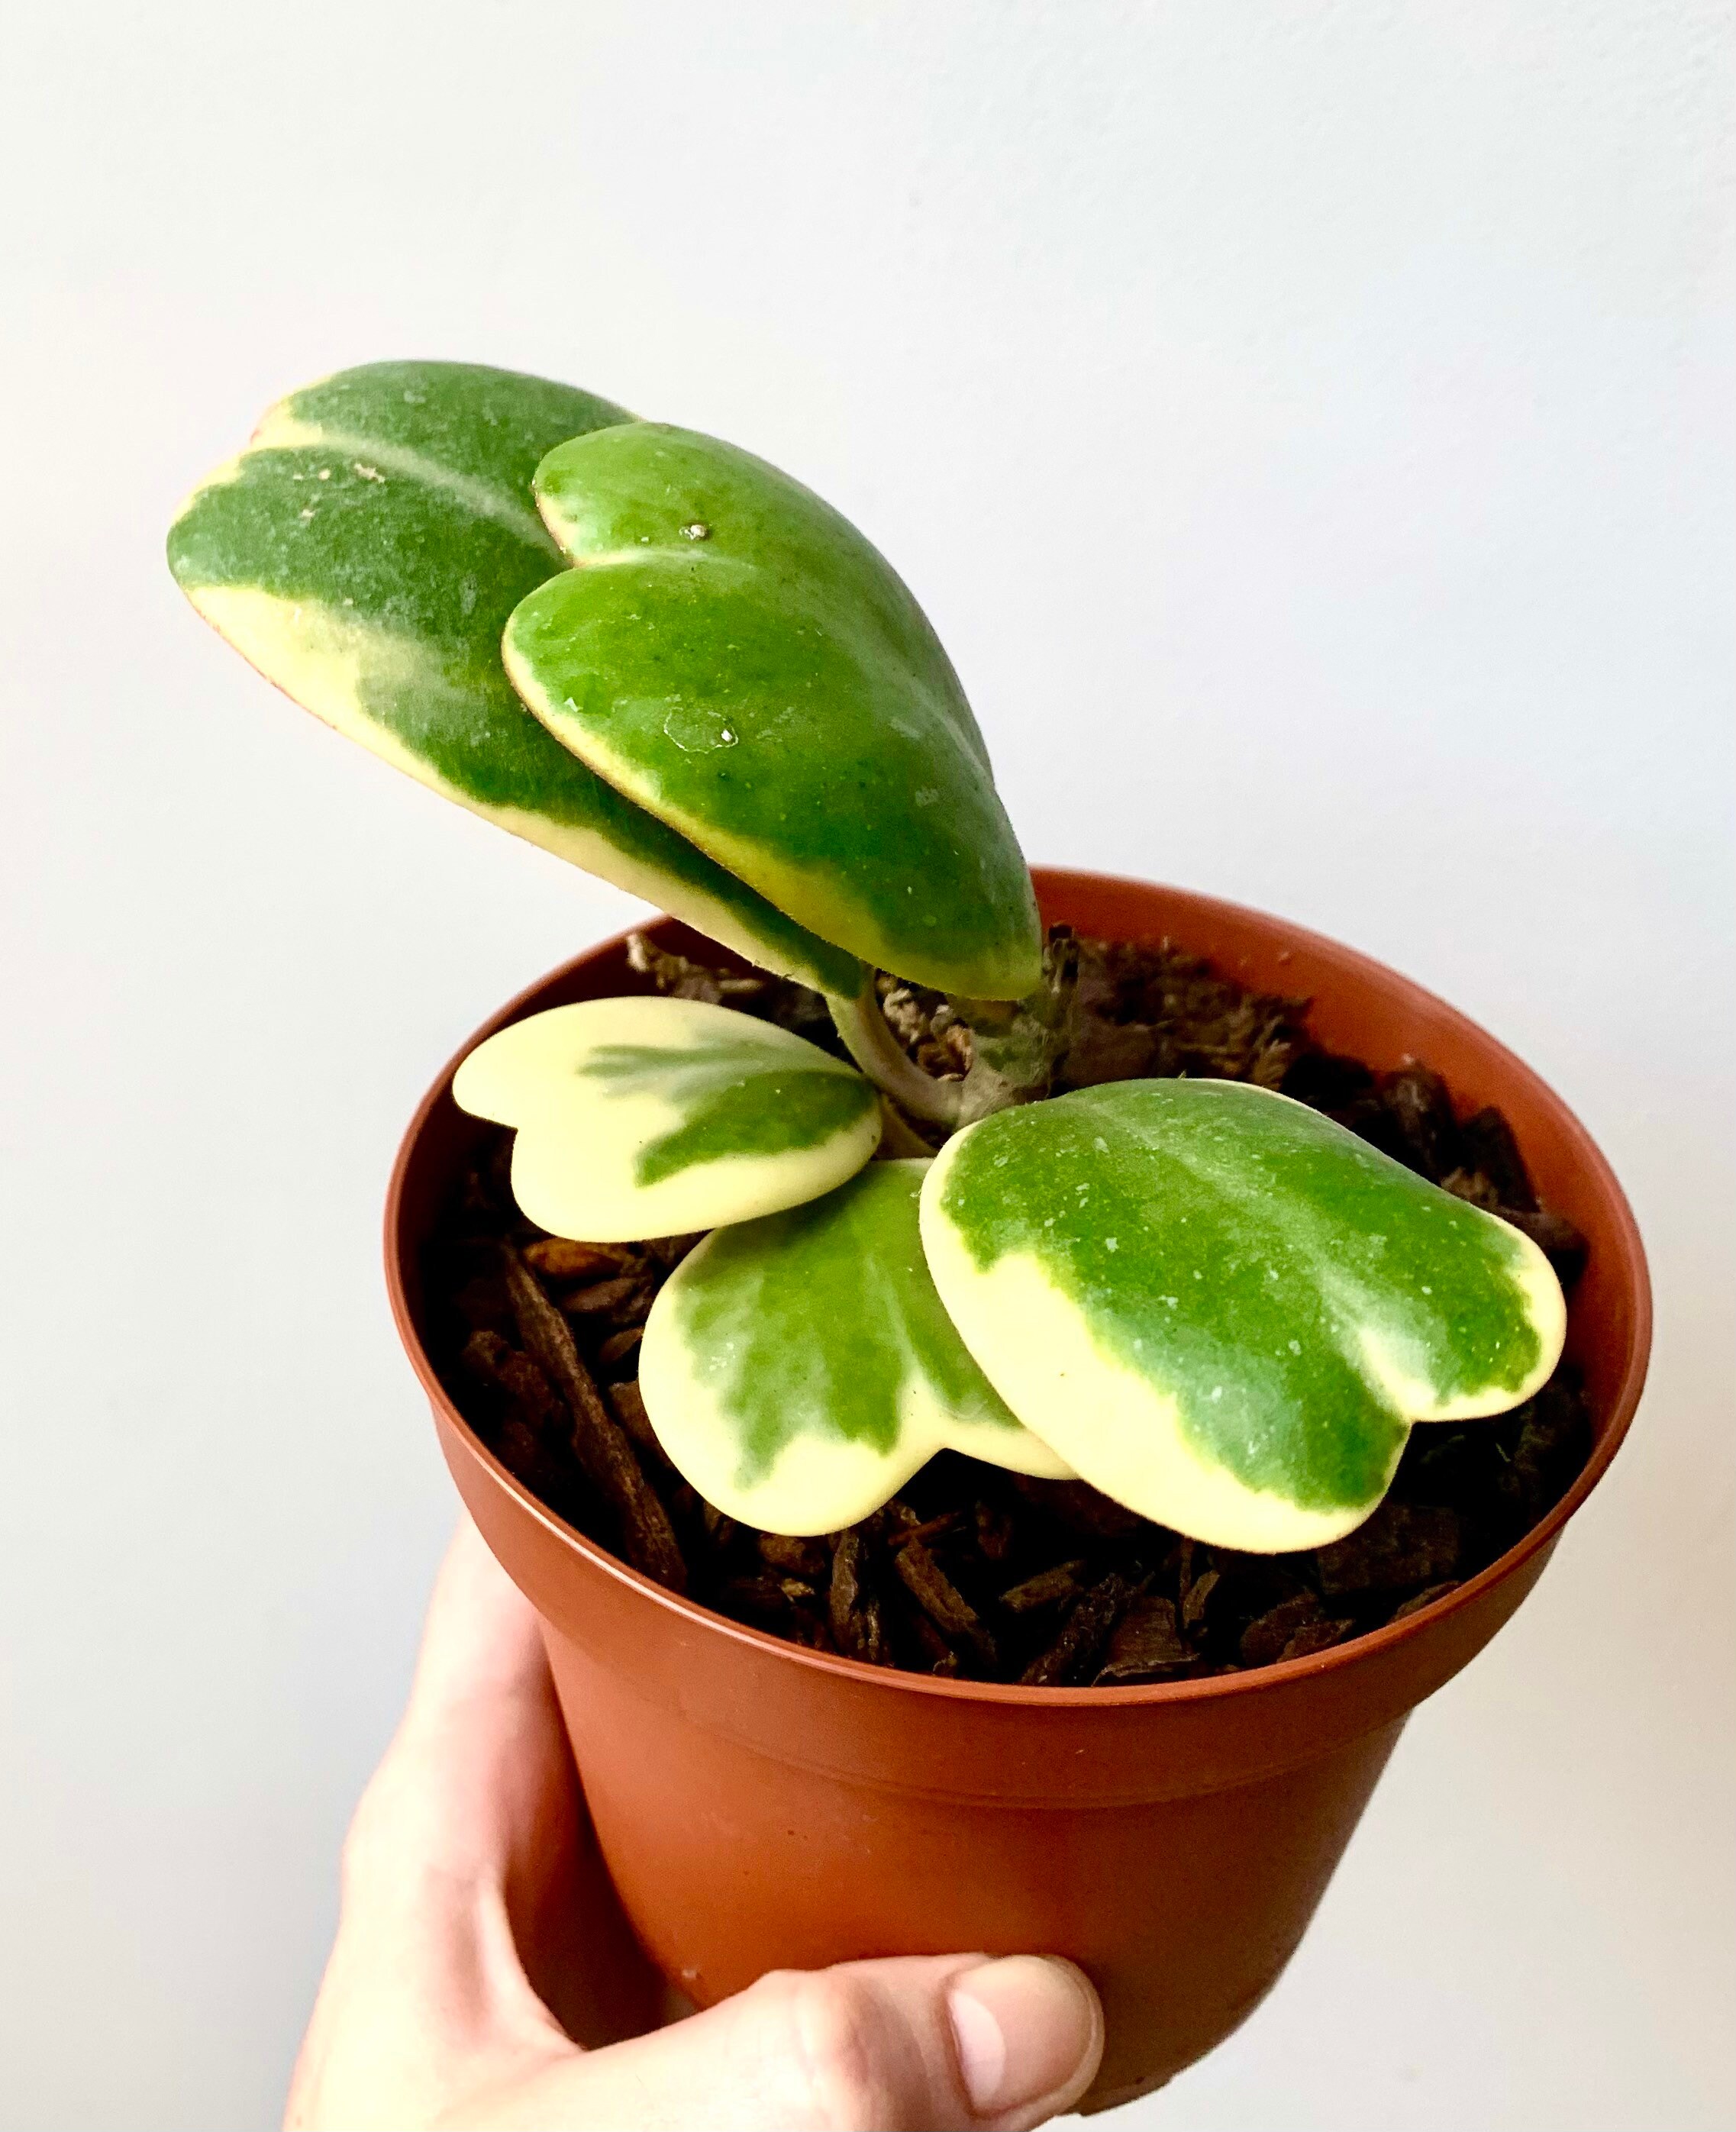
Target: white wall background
(1310,426)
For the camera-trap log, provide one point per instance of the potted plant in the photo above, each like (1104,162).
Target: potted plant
(1099,1412)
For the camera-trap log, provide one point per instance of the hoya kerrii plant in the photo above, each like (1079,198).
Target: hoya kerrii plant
(660,658)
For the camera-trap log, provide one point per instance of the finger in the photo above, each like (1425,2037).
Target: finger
(479,1762)
(484,1734)
(893,2046)
(480,1641)
(473,1902)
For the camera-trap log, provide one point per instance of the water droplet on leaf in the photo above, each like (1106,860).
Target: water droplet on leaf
(697,731)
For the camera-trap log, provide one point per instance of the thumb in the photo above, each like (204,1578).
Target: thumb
(895,2046)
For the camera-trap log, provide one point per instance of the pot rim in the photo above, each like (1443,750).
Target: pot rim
(1358,1650)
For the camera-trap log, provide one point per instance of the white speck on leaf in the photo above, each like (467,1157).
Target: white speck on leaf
(1296,1347)
(1112,1243)
(1217,1391)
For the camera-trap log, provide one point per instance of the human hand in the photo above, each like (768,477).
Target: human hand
(475,1908)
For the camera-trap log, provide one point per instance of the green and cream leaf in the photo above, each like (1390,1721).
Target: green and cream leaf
(799,1370)
(1222,1310)
(655,1118)
(364,553)
(735,657)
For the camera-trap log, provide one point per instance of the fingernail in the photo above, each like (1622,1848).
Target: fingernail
(1024,2027)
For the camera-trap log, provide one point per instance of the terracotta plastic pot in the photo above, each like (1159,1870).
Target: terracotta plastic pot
(764,1807)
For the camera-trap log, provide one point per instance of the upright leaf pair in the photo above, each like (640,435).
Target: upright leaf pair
(741,714)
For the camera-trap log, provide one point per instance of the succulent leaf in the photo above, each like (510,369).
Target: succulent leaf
(1224,1310)
(364,553)
(736,658)
(654,1117)
(798,1370)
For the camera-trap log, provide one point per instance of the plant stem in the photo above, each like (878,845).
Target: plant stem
(900,1140)
(877,1052)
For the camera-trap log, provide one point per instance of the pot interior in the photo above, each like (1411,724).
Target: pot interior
(1357,1006)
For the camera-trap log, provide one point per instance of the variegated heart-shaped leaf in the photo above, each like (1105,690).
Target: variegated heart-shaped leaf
(734,656)
(1224,1310)
(799,1369)
(364,553)
(654,1117)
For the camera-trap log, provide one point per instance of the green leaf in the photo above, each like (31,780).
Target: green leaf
(1224,1310)
(799,1370)
(654,1117)
(364,553)
(734,656)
